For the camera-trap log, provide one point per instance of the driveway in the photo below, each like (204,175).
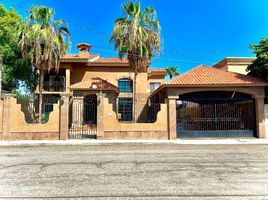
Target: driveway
(127,171)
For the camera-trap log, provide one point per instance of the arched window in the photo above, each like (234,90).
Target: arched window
(125,85)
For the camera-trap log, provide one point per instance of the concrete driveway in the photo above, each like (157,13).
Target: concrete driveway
(127,171)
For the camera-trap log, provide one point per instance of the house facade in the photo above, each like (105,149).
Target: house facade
(88,80)
(94,97)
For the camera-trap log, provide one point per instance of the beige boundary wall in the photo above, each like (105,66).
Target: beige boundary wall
(113,129)
(14,127)
(266,119)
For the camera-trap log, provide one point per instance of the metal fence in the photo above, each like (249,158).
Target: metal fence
(30,107)
(216,118)
(136,108)
(83,118)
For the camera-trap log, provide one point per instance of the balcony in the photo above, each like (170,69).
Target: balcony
(54,86)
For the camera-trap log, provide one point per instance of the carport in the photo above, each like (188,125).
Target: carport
(208,102)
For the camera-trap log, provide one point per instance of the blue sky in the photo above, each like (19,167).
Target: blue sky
(193,32)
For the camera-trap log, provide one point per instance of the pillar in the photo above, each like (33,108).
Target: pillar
(260,117)
(67,80)
(172,122)
(6,129)
(64,117)
(100,115)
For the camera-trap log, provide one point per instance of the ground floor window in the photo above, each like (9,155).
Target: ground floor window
(125,109)
(48,102)
(48,107)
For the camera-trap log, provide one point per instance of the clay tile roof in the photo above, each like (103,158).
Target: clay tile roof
(100,84)
(157,70)
(208,76)
(111,60)
(77,57)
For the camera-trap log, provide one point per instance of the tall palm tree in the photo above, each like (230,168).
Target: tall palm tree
(172,72)
(137,36)
(44,40)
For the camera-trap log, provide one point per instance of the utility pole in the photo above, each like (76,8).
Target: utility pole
(1,66)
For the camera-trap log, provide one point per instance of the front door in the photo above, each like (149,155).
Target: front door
(83,117)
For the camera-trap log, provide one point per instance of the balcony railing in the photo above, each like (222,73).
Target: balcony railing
(54,86)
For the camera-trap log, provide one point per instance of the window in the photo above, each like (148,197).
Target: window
(154,86)
(125,106)
(48,103)
(48,107)
(125,85)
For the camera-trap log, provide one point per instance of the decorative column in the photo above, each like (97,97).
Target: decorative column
(260,117)
(100,115)
(1,66)
(172,123)
(6,116)
(67,80)
(64,117)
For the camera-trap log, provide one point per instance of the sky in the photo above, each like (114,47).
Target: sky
(193,32)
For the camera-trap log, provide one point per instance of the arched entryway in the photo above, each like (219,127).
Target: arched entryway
(83,117)
(215,114)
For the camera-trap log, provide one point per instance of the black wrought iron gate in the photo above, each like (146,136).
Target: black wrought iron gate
(216,118)
(83,118)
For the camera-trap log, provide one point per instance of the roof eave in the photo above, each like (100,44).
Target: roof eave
(73,60)
(206,86)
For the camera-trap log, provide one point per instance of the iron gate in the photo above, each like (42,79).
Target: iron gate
(216,118)
(83,118)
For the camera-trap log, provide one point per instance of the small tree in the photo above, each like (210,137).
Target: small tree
(16,70)
(259,67)
(44,41)
(172,71)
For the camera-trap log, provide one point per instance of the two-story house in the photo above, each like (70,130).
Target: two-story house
(85,76)
(104,101)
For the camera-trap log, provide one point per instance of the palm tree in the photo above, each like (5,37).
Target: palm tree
(137,36)
(44,40)
(172,72)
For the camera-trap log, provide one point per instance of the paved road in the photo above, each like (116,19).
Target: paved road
(142,171)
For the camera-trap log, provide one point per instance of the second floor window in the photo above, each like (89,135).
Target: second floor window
(154,86)
(125,85)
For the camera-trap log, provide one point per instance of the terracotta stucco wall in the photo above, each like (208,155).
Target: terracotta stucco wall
(1,115)
(113,129)
(81,72)
(14,127)
(266,119)
(240,69)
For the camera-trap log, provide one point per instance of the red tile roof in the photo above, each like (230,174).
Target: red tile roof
(69,57)
(157,70)
(100,84)
(207,76)
(111,60)
(203,76)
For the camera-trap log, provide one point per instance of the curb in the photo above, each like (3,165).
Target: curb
(149,142)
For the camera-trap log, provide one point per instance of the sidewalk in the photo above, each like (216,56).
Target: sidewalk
(206,141)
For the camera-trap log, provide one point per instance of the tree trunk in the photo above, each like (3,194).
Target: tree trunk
(41,83)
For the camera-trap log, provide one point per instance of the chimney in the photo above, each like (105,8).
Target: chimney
(83,49)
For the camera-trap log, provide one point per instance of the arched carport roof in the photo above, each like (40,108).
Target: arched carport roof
(208,77)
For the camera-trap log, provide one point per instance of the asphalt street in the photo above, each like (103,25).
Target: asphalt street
(134,171)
